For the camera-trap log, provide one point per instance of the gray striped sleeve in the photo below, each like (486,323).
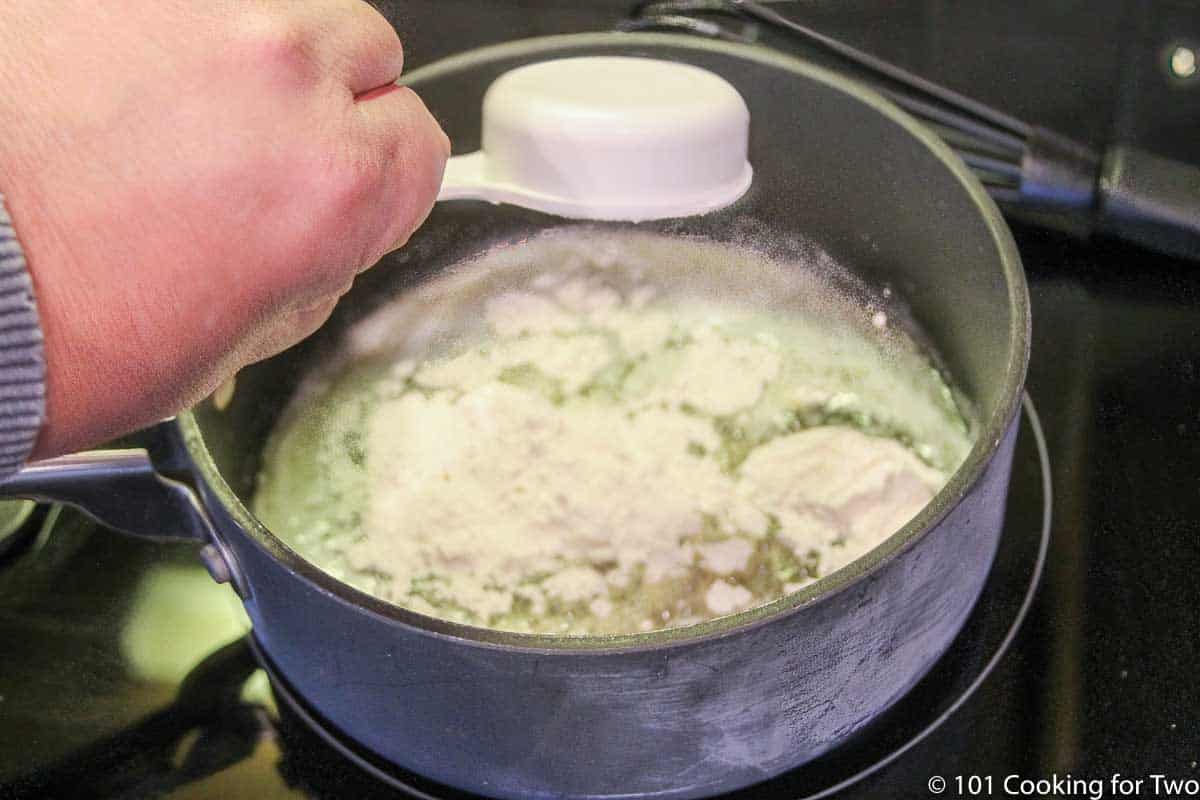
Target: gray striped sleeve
(22,362)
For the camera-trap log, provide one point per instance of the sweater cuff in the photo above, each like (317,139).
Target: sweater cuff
(22,360)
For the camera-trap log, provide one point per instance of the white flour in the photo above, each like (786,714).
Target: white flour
(604,456)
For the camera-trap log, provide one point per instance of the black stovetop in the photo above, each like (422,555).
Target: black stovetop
(98,631)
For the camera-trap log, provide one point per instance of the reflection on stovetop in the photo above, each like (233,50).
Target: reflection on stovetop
(1116,343)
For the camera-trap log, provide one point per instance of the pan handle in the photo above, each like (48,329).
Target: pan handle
(118,488)
(137,491)
(121,489)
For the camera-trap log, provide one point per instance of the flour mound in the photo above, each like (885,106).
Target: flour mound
(601,455)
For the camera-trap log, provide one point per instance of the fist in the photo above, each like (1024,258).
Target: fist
(195,184)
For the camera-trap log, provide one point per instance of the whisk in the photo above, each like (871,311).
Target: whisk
(1032,172)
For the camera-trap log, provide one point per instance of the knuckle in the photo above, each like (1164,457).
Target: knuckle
(278,45)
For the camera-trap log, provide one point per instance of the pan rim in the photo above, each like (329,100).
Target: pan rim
(965,478)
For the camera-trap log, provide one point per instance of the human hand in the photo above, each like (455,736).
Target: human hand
(195,184)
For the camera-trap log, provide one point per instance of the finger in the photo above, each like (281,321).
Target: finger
(409,150)
(357,44)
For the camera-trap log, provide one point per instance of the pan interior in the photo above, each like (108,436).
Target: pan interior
(851,359)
